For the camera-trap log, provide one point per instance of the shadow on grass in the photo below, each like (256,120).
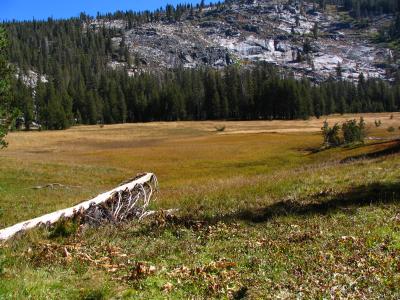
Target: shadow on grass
(387,148)
(324,204)
(391,147)
(365,195)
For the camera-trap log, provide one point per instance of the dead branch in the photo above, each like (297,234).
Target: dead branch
(54,185)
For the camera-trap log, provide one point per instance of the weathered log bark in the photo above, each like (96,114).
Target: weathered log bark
(129,199)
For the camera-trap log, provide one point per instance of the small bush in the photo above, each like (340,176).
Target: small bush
(378,123)
(2,266)
(96,294)
(390,129)
(64,228)
(330,134)
(220,128)
(354,132)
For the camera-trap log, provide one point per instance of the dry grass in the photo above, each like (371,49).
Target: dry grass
(252,183)
(186,156)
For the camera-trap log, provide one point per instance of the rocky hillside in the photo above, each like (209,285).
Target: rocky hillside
(179,63)
(297,37)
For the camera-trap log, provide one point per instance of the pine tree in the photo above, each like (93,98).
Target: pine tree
(5,108)
(92,109)
(339,71)
(56,118)
(122,111)
(315,30)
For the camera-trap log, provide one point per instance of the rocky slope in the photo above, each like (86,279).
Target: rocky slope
(280,34)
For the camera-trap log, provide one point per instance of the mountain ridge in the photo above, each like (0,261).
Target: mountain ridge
(295,36)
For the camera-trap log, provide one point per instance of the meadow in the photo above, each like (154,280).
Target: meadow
(263,212)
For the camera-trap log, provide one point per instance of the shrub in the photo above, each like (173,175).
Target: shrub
(92,294)
(330,134)
(2,266)
(378,123)
(390,129)
(64,228)
(354,132)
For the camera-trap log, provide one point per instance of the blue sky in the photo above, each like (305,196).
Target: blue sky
(42,9)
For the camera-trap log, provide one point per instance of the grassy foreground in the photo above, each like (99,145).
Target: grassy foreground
(261,213)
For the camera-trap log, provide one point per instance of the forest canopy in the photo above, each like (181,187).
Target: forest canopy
(232,93)
(79,87)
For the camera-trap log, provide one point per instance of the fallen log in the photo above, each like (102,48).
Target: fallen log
(127,201)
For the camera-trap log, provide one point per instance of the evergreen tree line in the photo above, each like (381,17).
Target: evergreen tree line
(392,32)
(81,87)
(365,8)
(189,94)
(61,47)
(169,13)
(5,75)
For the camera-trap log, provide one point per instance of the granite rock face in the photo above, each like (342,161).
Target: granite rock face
(253,31)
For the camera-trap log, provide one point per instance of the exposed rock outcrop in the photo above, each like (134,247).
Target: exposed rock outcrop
(256,31)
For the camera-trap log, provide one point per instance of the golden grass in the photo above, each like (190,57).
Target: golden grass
(189,158)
